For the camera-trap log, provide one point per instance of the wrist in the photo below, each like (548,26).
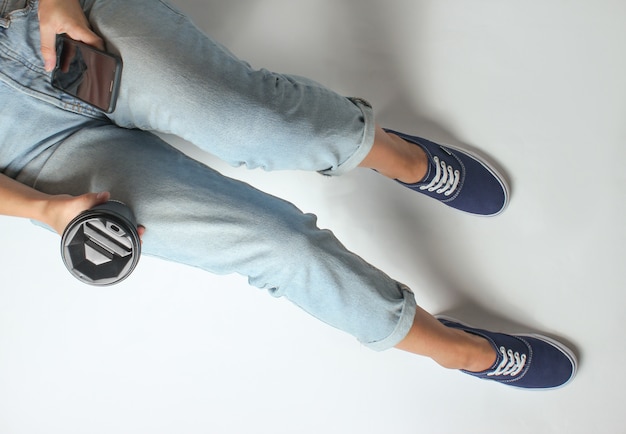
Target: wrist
(43,210)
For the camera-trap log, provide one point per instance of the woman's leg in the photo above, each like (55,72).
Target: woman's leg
(449,347)
(177,80)
(196,216)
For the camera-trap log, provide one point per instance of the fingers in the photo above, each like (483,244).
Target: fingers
(84,34)
(62,209)
(85,201)
(56,17)
(97,198)
(48,44)
(141,230)
(93,199)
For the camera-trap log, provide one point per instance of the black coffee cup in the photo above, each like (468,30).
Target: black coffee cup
(101,246)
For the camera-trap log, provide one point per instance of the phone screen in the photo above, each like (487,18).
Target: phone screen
(87,73)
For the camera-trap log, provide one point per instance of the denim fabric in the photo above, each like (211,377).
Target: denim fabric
(8,7)
(177,80)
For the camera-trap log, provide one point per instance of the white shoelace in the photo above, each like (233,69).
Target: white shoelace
(512,363)
(446,179)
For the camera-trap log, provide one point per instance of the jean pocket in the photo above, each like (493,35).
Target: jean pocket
(12,8)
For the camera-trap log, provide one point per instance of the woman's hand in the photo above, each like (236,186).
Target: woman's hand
(63,16)
(54,210)
(62,209)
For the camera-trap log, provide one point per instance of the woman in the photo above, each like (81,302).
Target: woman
(56,151)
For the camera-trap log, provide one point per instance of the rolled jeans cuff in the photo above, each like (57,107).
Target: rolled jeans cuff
(367,141)
(404,324)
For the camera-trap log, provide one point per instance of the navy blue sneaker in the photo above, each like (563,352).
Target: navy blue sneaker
(528,361)
(460,179)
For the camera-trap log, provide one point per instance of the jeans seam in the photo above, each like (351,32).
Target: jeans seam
(173,9)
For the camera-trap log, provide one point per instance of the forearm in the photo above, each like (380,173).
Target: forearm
(19,200)
(55,210)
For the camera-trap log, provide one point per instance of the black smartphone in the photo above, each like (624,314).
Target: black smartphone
(91,75)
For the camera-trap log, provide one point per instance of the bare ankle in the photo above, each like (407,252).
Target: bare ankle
(396,158)
(483,355)
(473,353)
(415,165)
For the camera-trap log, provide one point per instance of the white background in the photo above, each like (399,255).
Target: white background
(538,85)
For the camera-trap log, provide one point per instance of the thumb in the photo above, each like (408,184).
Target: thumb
(48,44)
(86,35)
(48,51)
(93,199)
(101,197)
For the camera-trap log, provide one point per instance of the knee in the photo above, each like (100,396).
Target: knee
(293,255)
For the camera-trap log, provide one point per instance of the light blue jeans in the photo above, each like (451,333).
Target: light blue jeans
(177,80)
